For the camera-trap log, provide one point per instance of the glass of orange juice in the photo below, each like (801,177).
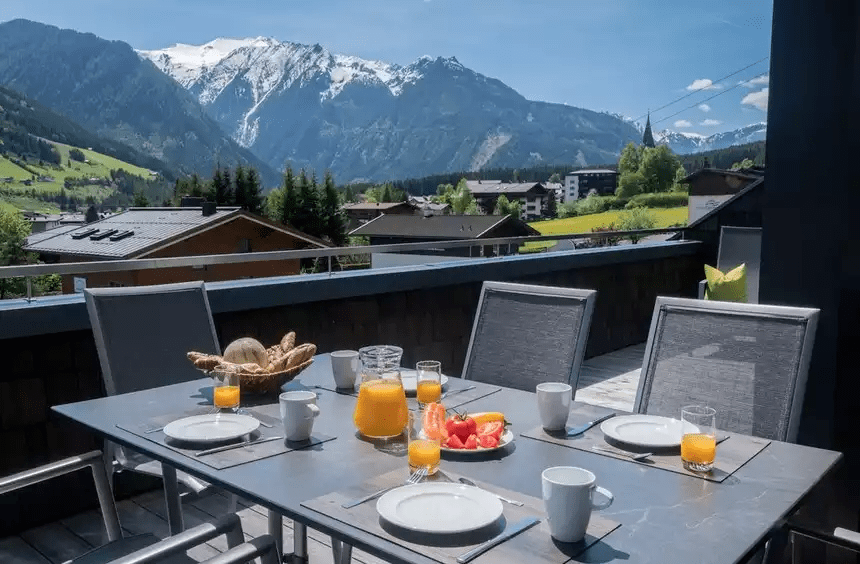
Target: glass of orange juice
(225,389)
(428,381)
(698,447)
(422,451)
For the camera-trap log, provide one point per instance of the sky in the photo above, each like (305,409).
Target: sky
(619,56)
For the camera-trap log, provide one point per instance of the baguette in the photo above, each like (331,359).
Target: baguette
(288,342)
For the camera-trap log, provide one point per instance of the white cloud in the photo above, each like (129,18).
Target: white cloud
(683,123)
(756,82)
(756,99)
(704,107)
(709,122)
(703,84)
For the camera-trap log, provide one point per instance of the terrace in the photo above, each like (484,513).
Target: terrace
(809,259)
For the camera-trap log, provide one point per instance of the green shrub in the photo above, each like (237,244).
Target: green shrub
(636,218)
(658,200)
(567,209)
(610,241)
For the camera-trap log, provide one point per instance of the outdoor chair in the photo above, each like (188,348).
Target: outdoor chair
(739,245)
(142,335)
(525,334)
(138,549)
(747,361)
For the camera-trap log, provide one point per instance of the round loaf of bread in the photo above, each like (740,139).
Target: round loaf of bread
(245,350)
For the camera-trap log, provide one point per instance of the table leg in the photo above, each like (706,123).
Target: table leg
(276,529)
(300,543)
(341,551)
(171,499)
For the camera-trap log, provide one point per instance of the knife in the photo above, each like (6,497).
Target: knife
(583,428)
(236,445)
(511,531)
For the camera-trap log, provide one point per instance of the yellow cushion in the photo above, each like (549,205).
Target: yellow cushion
(728,287)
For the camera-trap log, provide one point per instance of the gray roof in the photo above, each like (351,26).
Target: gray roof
(435,227)
(47,234)
(594,171)
(374,205)
(498,187)
(151,227)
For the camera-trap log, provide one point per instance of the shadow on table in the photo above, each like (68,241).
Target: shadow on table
(601,551)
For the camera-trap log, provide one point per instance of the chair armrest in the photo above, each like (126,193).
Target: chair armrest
(843,538)
(229,525)
(94,461)
(262,546)
(702,285)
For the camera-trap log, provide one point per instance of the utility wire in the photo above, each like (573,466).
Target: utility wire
(711,98)
(704,88)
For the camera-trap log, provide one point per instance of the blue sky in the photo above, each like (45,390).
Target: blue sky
(608,55)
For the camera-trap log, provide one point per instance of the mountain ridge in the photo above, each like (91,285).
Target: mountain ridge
(686,142)
(372,120)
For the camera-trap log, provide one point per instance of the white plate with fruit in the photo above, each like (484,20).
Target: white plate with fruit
(466,433)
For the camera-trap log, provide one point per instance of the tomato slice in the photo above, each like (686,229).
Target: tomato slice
(434,421)
(472,442)
(488,441)
(454,442)
(491,429)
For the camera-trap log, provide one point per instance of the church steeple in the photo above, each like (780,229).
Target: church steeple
(648,137)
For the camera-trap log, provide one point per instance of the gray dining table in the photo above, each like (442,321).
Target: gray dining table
(664,516)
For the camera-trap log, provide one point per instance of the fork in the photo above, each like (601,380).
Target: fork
(414,478)
(452,392)
(637,456)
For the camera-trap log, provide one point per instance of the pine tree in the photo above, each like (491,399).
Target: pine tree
(648,137)
(349,194)
(229,194)
(307,217)
(386,194)
(241,190)
(220,189)
(253,199)
(291,200)
(335,222)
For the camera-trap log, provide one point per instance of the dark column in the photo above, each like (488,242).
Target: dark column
(811,216)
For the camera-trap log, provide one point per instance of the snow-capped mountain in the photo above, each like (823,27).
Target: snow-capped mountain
(685,142)
(364,119)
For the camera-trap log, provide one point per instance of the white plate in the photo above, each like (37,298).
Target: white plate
(439,507)
(647,430)
(410,381)
(212,427)
(506,438)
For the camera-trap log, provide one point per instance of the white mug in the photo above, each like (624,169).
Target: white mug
(554,404)
(344,366)
(298,411)
(568,495)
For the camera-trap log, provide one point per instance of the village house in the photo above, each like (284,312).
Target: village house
(533,196)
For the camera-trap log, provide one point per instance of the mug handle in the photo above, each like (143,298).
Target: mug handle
(315,410)
(605,493)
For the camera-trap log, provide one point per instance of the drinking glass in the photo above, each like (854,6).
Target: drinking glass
(225,389)
(428,381)
(422,452)
(698,449)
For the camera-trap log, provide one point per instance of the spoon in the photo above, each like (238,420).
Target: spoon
(469,482)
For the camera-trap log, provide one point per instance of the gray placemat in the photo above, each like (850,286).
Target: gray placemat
(151,429)
(732,453)
(534,545)
(454,401)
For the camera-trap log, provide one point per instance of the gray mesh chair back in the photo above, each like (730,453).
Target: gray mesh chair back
(742,245)
(747,361)
(143,333)
(524,335)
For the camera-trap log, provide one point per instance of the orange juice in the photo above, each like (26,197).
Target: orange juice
(699,450)
(226,396)
(381,409)
(424,454)
(429,391)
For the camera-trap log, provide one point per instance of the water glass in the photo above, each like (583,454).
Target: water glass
(699,446)
(422,452)
(225,389)
(428,381)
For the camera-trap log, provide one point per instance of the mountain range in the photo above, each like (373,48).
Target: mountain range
(108,89)
(371,120)
(686,143)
